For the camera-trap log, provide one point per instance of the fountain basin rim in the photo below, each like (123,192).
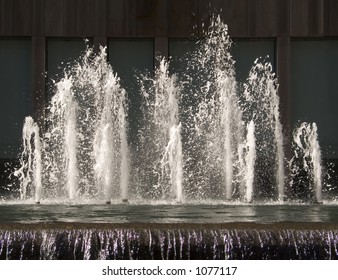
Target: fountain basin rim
(171,226)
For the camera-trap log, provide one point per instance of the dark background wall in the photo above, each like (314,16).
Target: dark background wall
(162,19)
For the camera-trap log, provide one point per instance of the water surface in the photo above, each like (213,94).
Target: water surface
(130,213)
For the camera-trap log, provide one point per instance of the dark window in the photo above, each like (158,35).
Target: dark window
(314,92)
(15,93)
(129,59)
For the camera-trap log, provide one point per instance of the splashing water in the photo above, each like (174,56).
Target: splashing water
(30,172)
(305,165)
(164,244)
(161,135)
(202,135)
(84,148)
(261,104)
(214,122)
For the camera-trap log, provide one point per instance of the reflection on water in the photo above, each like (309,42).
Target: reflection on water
(128,213)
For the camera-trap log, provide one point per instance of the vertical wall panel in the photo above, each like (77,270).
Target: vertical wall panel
(206,9)
(316,10)
(116,18)
(182,17)
(38,27)
(299,17)
(333,18)
(100,18)
(236,16)
(267,18)
(283,17)
(253,17)
(54,17)
(22,17)
(85,18)
(100,21)
(6,17)
(135,18)
(161,20)
(69,17)
(141,15)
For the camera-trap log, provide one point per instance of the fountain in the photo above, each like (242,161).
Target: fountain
(84,151)
(209,150)
(228,146)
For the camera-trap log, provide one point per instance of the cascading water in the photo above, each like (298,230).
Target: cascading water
(202,135)
(164,244)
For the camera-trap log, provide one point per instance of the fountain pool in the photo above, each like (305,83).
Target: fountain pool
(122,231)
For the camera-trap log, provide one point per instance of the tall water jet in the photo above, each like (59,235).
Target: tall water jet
(71,147)
(261,104)
(124,154)
(104,156)
(160,135)
(305,165)
(229,116)
(214,120)
(64,107)
(278,131)
(250,159)
(172,160)
(30,172)
(110,145)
